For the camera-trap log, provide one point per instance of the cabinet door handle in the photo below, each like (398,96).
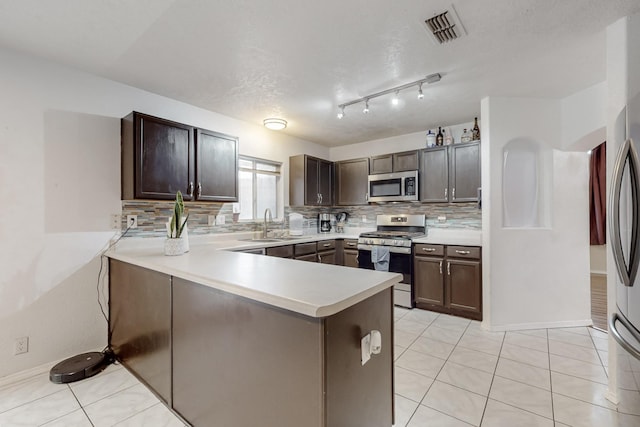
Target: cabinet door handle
(440,267)
(429,249)
(453,193)
(463,252)
(320,197)
(190,189)
(319,258)
(199,190)
(446,193)
(448,268)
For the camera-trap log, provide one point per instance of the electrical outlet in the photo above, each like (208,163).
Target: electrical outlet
(211,220)
(116,221)
(132,221)
(21,345)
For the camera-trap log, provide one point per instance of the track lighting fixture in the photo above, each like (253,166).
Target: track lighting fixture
(431,78)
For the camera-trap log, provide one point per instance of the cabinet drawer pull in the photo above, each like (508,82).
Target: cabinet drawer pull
(199,190)
(441,267)
(463,252)
(448,268)
(326,245)
(446,192)
(429,249)
(351,244)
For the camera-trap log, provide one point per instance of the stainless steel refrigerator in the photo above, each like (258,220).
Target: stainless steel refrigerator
(624,231)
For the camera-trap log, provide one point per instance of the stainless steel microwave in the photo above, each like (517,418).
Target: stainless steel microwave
(394,187)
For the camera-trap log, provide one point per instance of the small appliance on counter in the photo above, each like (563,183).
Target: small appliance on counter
(341,220)
(324,223)
(295,224)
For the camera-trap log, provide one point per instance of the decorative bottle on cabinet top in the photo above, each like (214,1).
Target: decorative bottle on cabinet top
(466,136)
(431,139)
(476,131)
(448,139)
(439,137)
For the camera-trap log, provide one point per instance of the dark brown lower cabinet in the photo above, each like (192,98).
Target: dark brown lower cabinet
(448,279)
(218,359)
(309,257)
(328,257)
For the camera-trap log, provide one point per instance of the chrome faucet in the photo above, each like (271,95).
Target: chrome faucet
(265,232)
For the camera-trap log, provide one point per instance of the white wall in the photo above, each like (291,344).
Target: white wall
(59,182)
(584,118)
(535,277)
(410,141)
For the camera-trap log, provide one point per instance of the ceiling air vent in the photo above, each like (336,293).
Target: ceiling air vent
(445,26)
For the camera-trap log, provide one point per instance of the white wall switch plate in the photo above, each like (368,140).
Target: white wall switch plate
(220,220)
(211,220)
(365,349)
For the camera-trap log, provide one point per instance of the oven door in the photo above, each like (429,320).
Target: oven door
(400,261)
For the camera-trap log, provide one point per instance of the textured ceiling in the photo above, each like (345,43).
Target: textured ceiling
(300,59)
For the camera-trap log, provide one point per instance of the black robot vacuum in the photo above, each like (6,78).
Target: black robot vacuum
(79,367)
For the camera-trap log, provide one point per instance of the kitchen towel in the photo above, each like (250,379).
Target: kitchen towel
(380,258)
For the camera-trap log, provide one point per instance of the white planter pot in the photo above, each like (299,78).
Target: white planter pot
(176,246)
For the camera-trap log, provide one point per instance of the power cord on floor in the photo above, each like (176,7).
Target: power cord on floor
(101,292)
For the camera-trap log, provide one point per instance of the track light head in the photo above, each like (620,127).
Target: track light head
(395,100)
(341,113)
(420,94)
(366,107)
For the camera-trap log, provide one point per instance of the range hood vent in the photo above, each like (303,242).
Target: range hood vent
(445,27)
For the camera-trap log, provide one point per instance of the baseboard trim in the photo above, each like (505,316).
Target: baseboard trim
(33,372)
(26,374)
(540,325)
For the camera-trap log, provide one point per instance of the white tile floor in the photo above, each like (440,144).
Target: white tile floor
(449,372)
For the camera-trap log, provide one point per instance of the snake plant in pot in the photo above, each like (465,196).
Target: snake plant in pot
(177,241)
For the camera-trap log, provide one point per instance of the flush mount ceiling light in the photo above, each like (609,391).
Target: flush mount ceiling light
(274,123)
(431,78)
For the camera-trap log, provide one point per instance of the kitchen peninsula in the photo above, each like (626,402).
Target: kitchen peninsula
(226,338)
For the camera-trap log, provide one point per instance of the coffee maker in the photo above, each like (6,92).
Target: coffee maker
(324,223)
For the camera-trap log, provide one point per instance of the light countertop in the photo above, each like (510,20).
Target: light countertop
(452,236)
(312,289)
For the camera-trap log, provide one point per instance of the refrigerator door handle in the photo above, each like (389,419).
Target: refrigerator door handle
(620,339)
(628,153)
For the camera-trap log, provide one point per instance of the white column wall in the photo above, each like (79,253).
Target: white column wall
(536,277)
(59,183)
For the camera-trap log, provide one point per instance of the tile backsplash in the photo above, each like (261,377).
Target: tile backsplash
(152,216)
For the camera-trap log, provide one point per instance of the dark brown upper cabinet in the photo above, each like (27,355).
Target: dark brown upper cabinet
(161,157)
(352,182)
(216,166)
(310,181)
(395,162)
(450,173)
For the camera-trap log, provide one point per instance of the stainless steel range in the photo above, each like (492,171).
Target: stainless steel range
(395,233)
